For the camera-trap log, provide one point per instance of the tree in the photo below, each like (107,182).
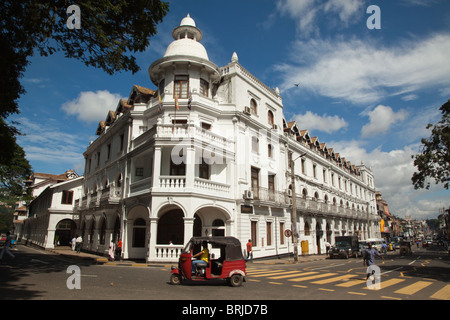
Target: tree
(111,32)
(14,173)
(434,160)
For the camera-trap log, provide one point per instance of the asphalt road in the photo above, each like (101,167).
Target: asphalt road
(39,275)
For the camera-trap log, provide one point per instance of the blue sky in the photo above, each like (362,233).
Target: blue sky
(367,93)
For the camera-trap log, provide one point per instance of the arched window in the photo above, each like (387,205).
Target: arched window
(307,229)
(270,118)
(253,106)
(139,227)
(102,231)
(304,193)
(119,181)
(91,234)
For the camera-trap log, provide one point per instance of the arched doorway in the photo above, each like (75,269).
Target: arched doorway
(135,244)
(65,231)
(197,231)
(171,227)
(319,234)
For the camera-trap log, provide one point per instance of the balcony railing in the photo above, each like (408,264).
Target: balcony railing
(167,252)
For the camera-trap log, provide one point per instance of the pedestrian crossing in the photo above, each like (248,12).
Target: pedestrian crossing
(396,287)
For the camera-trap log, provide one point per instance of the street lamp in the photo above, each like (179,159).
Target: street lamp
(294,208)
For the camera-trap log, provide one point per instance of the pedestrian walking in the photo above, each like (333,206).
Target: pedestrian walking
(6,247)
(78,243)
(250,250)
(73,243)
(112,250)
(119,249)
(369,257)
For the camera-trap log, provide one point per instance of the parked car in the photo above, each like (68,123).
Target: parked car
(345,246)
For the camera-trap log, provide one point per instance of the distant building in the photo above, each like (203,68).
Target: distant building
(51,219)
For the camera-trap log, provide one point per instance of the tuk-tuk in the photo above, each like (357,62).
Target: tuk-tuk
(405,248)
(230,265)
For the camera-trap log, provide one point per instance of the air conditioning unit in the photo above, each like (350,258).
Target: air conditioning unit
(248,194)
(247,110)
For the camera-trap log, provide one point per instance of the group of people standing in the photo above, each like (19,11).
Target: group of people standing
(114,253)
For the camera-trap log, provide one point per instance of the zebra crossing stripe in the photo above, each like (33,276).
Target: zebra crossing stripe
(293,275)
(351,283)
(413,288)
(443,294)
(266,274)
(312,277)
(387,283)
(335,279)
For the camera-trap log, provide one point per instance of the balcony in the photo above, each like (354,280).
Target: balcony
(207,138)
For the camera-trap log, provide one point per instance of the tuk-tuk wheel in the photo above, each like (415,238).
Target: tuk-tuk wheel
(236,280)
(175,279)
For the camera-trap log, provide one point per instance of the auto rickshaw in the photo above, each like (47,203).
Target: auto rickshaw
(405,248)
(229,266)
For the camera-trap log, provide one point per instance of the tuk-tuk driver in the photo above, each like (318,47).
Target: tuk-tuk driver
(204,256)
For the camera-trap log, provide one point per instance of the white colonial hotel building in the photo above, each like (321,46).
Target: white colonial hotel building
(157,175)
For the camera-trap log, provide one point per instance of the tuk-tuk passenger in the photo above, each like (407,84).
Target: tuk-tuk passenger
(204,256)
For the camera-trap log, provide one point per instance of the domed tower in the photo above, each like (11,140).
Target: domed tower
(185,67)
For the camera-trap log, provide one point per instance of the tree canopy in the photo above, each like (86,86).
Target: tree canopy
(111,31)
(434,159)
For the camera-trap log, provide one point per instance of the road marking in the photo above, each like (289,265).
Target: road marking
(278,283)
(292,275)
(40,261)
(263,272)
(312,277)
(393,298)
(331,266)
(324,289)
(358,293)
(299,286)
(443,294)
(387,283)
(413,288)
(266,274)
(351,283)
(329,280)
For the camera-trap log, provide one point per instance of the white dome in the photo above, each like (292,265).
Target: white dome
(187,21)
(186,47)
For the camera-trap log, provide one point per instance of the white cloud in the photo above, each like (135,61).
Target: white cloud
(363,72)
(381,119)
(308,12)
(392,176)
(315,122)
(92,106)
(50,145)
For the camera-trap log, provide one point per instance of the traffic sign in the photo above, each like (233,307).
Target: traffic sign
(287,233)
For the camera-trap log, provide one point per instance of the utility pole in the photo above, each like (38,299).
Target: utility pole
(294,211)
(294,207)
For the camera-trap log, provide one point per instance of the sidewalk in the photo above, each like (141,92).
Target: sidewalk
(67,251)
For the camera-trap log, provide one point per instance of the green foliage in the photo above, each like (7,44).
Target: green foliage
(434,160)
(111,32)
